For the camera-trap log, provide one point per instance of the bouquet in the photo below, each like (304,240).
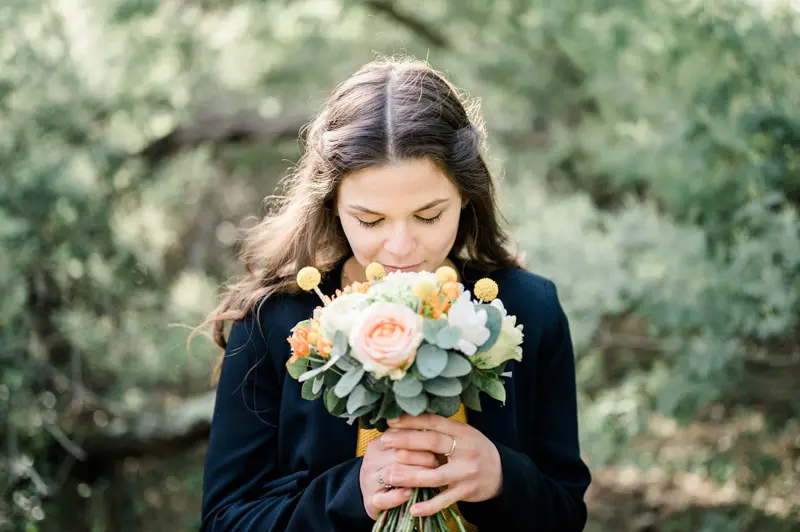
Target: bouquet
(403,343)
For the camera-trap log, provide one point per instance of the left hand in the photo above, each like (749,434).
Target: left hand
(472,473)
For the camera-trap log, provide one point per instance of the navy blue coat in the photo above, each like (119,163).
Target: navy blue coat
(277,462)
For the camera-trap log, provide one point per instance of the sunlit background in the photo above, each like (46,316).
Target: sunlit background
(650,156)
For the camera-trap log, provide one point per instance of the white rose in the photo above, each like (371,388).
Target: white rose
(342,313)
(471,321)
(385,339)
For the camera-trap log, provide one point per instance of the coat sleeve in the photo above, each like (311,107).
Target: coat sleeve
(242,487)
(543,487)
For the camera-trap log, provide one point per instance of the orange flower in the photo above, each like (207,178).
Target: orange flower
(450,290)
(299,341)
(324,346)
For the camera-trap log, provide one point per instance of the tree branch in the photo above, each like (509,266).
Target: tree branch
(245,125)
(408,20)
(152,433)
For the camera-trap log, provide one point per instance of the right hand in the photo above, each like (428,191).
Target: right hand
(378,458)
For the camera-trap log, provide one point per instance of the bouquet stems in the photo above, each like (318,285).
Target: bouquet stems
(399,519)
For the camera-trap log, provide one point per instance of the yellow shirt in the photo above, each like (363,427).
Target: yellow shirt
(365,436)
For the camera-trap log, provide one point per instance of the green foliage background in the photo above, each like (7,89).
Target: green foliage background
(651,163)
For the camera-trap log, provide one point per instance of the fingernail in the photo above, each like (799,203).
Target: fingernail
(415,510)
(393,420)
(386,439)
(408,492)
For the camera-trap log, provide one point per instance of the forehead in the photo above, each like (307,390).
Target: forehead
(396,187)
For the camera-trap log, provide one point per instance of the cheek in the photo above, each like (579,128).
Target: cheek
(441,236)
(363,241)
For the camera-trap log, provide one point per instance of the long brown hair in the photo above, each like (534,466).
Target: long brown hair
(389,110)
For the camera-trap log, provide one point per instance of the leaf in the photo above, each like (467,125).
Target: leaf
(448,337)
(340,345)
(331,378)
(307,391)
(471,398)
(314,372)
(443,387)
(388,408)
(335,405)
(457,366)
(346,363)
(430,361)
(494,322)
(348,381)
(297,368)
(359,412)
(359,398)
(493,386)
(372,384)
(445,406)
(413,405)
(431,328)
(408,387)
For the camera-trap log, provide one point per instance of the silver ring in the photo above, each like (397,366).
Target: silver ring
(452,447)
(381,482)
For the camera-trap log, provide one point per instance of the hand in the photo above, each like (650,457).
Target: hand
(472,473)
(379,458)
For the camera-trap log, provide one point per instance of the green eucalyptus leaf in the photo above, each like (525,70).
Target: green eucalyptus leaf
(494,322)
(445,406)
(346,363)
(335,405)
(348,381)
(339,344)
(359,398)
(443,387)
(431,328)
(448,337)
(407,387)
(331,378)
(457,366)
(413,405)
(430,360)
(312,389)
(297,368)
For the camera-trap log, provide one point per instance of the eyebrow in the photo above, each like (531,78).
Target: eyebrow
(425,207)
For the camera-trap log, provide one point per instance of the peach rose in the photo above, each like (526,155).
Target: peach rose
(385,339)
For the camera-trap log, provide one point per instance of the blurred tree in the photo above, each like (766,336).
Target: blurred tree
(139,135)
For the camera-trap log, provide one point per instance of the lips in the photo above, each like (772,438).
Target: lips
(411,268)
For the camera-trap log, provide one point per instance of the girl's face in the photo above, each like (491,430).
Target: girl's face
(404,216)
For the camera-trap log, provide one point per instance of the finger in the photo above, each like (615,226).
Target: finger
(386,499)
(406,476)
(414,458)
(416,440)
(441,501)
(427,422)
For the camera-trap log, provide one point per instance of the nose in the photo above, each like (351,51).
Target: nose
(400,242)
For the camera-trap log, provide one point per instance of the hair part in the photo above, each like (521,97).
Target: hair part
(389,111)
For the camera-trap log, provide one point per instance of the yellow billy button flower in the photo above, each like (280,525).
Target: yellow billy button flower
(375,271)
(308,278)
(425,290)
(486,289)
(446,274)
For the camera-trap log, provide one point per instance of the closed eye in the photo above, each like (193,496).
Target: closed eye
(431,220)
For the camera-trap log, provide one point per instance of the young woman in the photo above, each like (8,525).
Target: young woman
(392,173)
